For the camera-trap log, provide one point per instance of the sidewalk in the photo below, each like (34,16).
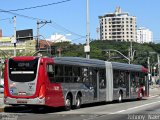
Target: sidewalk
(154,90)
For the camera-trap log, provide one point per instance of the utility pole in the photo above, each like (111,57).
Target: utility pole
(38,27)
(158,65)
(37,44)
(14,39)
(149,78)
(131,51)
(87,47)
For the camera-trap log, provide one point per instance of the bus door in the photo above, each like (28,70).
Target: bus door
(94,77)
(102,85)
(92,83)
(133,85)
(127,81)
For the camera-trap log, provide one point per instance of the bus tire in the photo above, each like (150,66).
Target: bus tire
(120,97)
(68,103)
(78,102)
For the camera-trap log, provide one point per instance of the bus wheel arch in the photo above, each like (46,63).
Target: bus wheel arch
(68,101)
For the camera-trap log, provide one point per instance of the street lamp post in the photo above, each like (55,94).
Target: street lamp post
(47,43)
(154,68)
(50,48)
(42,23)
(157,64)
(60,38)
(129,60)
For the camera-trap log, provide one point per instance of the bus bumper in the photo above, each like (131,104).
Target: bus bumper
(21,101)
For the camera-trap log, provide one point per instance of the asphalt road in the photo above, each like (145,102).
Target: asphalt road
(128,110)
(146,109)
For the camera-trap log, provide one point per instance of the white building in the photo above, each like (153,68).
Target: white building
(144,35)
(58,38)
(118,26)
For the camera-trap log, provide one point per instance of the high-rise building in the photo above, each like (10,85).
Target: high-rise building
(144,35)
(118,26)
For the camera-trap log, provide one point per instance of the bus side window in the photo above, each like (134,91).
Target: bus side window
(115,78)
(85,78)
(50,72)
(102,79)
(59,77)
(76,74)
(93,76)
(68,73)
(122,79)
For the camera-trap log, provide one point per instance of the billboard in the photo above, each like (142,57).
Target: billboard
(26,34)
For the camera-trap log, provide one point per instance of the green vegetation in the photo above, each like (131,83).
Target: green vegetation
(141,54)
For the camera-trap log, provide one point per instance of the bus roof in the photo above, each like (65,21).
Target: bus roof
(98,63)
(21,58)
(88,62)
(79,61)
(129,67)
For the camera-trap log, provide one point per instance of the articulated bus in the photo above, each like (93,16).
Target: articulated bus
(70,81)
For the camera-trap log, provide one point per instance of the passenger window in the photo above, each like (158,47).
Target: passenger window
(59,77)
(102,79)
(76,74)
(50,72)
(68,73)
(85,78)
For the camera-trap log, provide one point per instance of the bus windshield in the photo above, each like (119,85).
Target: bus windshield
(23,71)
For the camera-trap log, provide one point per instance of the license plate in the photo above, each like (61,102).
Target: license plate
(22,101)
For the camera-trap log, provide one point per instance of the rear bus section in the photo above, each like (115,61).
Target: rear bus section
(23,82)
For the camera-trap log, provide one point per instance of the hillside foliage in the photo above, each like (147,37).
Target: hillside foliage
(141,51)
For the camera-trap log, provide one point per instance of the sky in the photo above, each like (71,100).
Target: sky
(69,18)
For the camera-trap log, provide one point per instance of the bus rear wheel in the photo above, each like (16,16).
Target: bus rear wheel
(78,102)
(68,103)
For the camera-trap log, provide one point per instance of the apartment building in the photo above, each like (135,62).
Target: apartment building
(144,35)
(118,26)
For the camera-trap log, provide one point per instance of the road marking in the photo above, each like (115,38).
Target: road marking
(135,107)
(95,117)
(153,96)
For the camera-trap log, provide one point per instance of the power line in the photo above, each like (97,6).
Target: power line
(65,29)
(77,39)
(54,24)
(20,15)
(5,19)
(33,18)
(27,8)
